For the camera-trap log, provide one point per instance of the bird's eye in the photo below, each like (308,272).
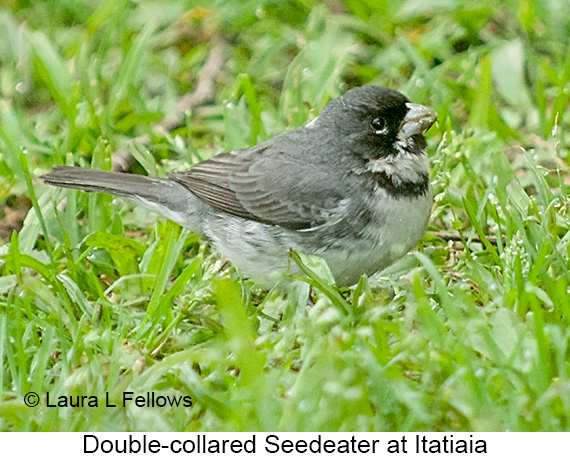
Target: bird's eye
(379,125)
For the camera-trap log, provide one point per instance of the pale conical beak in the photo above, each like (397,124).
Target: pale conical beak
(418,119)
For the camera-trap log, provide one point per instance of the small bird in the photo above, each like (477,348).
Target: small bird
(350,186)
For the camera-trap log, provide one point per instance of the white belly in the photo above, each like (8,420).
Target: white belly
(261,251)
(400,226)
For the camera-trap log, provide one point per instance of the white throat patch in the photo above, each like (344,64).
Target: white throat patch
(403,166)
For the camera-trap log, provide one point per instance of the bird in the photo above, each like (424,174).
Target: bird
(351,186)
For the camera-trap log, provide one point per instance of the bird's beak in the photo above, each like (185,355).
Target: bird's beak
(418,119)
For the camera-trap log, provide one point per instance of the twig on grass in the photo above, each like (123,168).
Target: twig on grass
(446,236)
(204,93)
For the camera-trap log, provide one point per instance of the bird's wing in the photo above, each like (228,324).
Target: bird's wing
(265,186)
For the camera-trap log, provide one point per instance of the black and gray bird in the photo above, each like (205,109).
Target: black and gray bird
(350,186)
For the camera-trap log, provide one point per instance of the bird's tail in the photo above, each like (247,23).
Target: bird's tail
(159,195)
(107,182)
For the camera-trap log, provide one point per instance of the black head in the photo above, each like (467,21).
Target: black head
(376,121)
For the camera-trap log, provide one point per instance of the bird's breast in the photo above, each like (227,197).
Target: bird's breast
(397,224)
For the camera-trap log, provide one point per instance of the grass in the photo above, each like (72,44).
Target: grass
(469,332)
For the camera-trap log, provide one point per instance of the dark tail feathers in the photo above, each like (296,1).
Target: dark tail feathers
(121,184)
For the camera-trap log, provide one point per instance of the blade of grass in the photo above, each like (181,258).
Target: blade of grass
(320,283)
